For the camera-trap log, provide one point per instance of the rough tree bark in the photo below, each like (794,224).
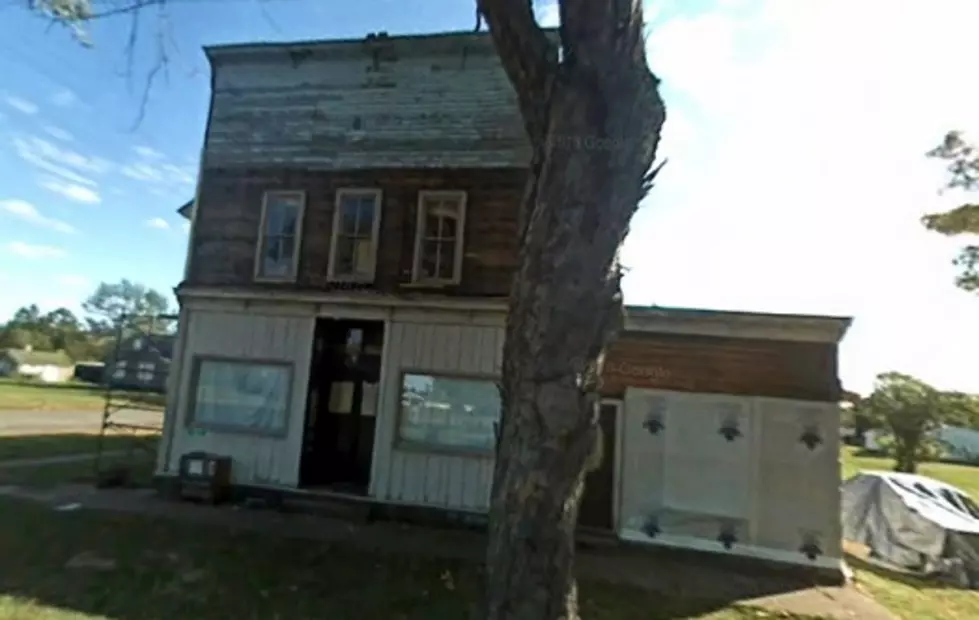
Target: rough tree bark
(593,115)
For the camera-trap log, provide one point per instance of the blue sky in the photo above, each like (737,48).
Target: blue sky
(795,139)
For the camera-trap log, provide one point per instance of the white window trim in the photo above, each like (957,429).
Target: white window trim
(331,274)
(460,237)
(260,244)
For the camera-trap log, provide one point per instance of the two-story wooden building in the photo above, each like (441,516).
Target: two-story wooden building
(352,244)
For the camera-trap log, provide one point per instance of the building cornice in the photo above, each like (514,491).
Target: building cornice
(639,319)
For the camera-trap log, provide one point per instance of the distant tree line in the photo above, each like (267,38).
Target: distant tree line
(91,336)
(909,410)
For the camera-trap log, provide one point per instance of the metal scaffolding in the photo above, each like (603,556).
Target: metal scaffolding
(135,380)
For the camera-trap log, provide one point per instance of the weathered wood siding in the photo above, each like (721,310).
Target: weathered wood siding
(432,479)
(227,227)
(773,490)
(430,102)
(781,369)
(256,459)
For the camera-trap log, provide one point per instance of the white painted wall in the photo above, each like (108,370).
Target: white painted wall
(459,482)
(256,459)
(765,484)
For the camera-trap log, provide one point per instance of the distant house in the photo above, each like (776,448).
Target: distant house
(89,372)
(959,445)
(141,362)
(48,366)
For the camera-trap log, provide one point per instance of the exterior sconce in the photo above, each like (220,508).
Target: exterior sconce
(810,437)
(653,424)
(729,429)
(651,527)
(810,546)
(727,536)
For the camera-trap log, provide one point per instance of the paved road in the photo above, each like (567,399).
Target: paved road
(42,422)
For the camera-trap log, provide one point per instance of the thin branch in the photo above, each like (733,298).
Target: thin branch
(135,7)
(268,16)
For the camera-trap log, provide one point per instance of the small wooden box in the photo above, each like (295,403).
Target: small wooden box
(205,477)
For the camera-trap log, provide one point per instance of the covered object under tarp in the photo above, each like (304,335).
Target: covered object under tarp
(913,522)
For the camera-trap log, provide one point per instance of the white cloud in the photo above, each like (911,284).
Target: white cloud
(73,281)
(68,172)
(143,172)
(148,152)
(72,191)
(185,225)
(21,105)
(58,133)
(34,252)
(158,222)
(25,211)
(64,98)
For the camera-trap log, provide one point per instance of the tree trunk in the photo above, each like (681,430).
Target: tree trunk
(905,454)
(594,120)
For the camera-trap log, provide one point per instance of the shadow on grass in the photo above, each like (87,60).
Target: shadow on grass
(159,569)
(903,578)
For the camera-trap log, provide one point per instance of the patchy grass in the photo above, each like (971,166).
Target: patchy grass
(908,597)
(911,598)
(965,477)
(160,570)
(18,395)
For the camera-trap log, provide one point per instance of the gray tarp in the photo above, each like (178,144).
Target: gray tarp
(913,522)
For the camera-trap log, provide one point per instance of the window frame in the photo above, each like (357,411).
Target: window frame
(463,199)
(191,422)
(410,445)
(331,274)
(258,276)
(143,368)
(119,369)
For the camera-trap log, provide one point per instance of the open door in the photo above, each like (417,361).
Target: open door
(338,440)
(598,501)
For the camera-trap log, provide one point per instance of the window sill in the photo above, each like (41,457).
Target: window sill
(350,279)
(440,450)
(269,280)
(430,284)
(206,429)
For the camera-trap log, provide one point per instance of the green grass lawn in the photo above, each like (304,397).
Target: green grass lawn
(908,597)
(165,570)
(30,396)
(16,395)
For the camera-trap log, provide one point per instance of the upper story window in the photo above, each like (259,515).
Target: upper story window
(280,234)
(439,237)
(356,225)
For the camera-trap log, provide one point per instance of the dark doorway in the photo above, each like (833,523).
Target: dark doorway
(344,377)
(599,496)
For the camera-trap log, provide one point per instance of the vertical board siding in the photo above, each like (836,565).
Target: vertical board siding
(256,459)
(773,487)
(432,479)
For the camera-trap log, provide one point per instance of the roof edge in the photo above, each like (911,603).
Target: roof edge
(420,43)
